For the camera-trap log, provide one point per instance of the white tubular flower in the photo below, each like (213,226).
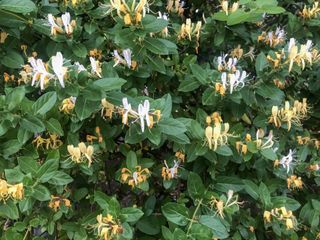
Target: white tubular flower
(39,72)
(94,67)
(292,43)
(80,67)
(236,80)
(143,112)
(288,161)
(224,79)
(57,65)
(127,109)
(52,23)
(127,56)
(66,21)
(118,58)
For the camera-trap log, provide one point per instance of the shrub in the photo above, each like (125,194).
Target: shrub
(136,119)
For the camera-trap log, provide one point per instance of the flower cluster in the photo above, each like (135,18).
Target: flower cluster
(227,9)
(218,134)
(91,138)
(81,154)
(52,142)
(225,202)
(190,31)
(307,140)
(294,182)
(281,215)
(125,60)
(176,6)
(169,173)
(130,15)
(56,202)
(288,114)
(68,105)
(62,25)
(13,191)
(310,12)
(107,227)
(134,178)
(273,38)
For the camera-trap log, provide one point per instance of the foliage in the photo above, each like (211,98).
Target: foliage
(159,119)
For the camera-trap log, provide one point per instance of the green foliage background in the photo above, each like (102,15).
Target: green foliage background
(179,82)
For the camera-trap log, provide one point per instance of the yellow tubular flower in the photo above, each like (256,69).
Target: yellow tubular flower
(135,178)
(267,216)
(107,109)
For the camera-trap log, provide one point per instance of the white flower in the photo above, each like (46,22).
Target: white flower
(95,68)
(52,23)
(119,60)
(224,64)
(80,67)
(288,161)
(143,112)
(57,65)
(127,56)
(127,109)
(236,80)
(39,72)
(292,43)
(66,21)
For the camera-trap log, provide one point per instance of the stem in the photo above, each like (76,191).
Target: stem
(194,216)
(26,234)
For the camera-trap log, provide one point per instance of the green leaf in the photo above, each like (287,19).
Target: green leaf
(32,124)
(12,59)
(209,97)
(224,150)
(196,188)
(18,6)
(131,214)
(41,193)
(251,188)
(79,50)
(269,154)
(60,178)
(15,97)
(270,91)
(264,195)
(199,231)
(215,224)
(28,165)
(9,210)
(261,62)
(199,73)
(109,84)
(171,126)
(47,170)
(131,161)
(54,126)
(45,103)
(188,85)
(154,25)
(11,147)
(84,108)
(156,63)
(176,213)
(154,45)
(14,175)
(237,17)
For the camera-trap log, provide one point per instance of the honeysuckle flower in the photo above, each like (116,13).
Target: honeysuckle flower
(170,173)
(231,81)
(39,72)
(107,227)
(181,156)
(58,68)
(80,67)
(54,27)
(127,109)
(217,135)
(81,154)
(135,178)
(143,112)
(190,30)
(66,20)
(68,105)
(282,215)
(164,16)
(56,202)
(107,109)
(273,38)
(268,143)
(225,7)
(95,67)
(13,191)
(227,65)
(310,12)
(294,182)
(52,142)
(287,162)
(127,57)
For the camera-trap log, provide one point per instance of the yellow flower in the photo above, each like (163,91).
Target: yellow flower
(294,182)
(107,228)
(170,173)
(15,191)
(52,142)
(225,7)
(267,216)
(311,12)
(218,135)
(221,205)
(80,154)
(56,202)
(107,109)
(181,156)
(133,179)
